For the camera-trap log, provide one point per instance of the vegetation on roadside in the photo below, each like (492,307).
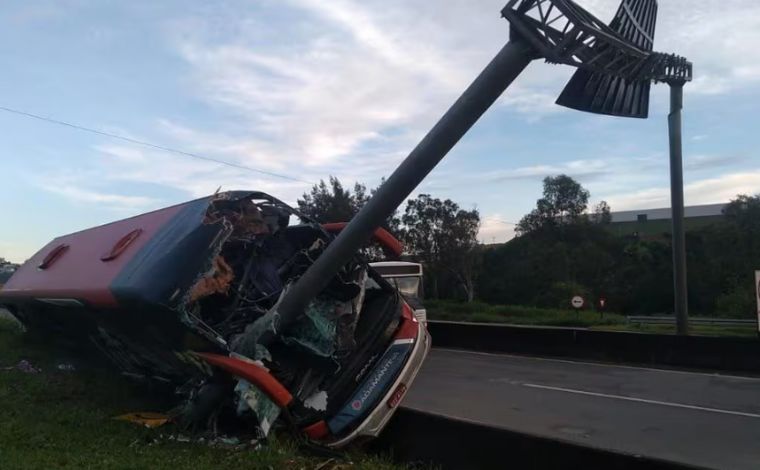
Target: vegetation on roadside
(63,419)
(567,248)
(517,315)
(479,312)
(562,251)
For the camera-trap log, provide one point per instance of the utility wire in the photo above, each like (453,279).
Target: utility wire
(148,144)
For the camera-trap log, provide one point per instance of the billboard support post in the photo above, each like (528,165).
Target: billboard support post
(677,208)
(757,298)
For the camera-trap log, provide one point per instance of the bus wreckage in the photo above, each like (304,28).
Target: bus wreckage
(189,294)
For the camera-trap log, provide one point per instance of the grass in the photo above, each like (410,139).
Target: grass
(517,315)
(480,312)
(56,419)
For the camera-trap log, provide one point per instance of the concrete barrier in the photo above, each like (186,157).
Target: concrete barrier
(700,352)
(414,437)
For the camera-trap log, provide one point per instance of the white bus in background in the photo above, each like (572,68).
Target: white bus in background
(407,278)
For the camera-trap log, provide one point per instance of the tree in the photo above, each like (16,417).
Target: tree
(564,201)
(444,238)
(544,265)
(331,202)
(562,251)
(722,262)
(602,213)
(744,213)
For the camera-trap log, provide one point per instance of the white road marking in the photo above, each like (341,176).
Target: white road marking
(642,400)
(601,364)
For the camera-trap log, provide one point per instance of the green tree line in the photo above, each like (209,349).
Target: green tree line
(561,250)
(565,248)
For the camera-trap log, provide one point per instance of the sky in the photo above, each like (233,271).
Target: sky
(312,88)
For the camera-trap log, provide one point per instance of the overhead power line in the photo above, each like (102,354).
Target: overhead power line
(148,144)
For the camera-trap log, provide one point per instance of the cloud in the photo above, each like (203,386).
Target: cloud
(574,168)
(494,229)
(366,28)
(348,94)
(706,191)
(312,110)
(17,252)
(193,177)
(720,38)
(74,192)
(34,15)
(361,79)
(585,170)
(356,84)
(704,162)
(533,103)
(358,81)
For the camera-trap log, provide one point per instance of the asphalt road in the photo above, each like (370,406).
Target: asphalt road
(701,419)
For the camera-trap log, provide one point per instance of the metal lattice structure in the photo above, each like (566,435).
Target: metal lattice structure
(615,62)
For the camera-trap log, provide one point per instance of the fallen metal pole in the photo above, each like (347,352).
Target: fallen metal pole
(479,96)
(676,204)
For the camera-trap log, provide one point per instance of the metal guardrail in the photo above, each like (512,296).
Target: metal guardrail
(671,320)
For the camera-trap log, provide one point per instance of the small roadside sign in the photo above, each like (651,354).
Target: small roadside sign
(577,302)
(602,303)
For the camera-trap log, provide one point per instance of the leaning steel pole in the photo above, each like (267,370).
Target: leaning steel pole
(479,96)
(677,204)
(617,65)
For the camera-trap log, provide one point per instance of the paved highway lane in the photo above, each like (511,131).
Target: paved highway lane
(701,419)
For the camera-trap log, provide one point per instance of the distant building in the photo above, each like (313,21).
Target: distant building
(654,222)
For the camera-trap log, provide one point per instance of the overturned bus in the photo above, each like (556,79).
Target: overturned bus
(182,294)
